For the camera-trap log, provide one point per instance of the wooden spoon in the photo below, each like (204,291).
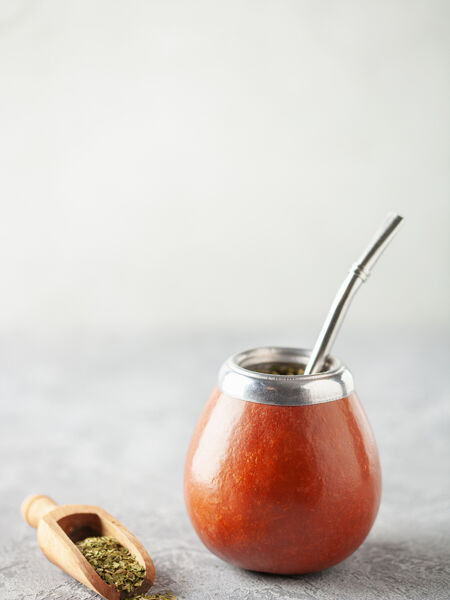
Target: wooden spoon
(59,527)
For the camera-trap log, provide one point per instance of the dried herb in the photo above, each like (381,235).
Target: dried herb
(113,562)
(165,596)
(279,368)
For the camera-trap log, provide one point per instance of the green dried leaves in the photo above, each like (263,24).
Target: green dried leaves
(113,562)
(165,596)
(279,368)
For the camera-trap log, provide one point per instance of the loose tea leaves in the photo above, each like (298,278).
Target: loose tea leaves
(113,562)
(165,596)
(279,368)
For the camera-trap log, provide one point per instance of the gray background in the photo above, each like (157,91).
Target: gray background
(180,180)
(107,422)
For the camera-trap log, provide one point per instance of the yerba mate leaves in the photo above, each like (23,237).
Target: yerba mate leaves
(278,368)
(165,596)
(112,562)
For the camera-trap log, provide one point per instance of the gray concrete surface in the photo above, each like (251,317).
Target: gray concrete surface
(107,421)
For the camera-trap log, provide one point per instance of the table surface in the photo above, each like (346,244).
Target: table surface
(107,420)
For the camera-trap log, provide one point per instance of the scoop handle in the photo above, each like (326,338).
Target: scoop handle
(36,506)
(359,273)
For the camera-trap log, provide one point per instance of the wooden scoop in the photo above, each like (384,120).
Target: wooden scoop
(59,527)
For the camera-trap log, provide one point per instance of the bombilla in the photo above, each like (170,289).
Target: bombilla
(358,274)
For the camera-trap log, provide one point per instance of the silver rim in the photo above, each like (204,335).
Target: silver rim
(237,379)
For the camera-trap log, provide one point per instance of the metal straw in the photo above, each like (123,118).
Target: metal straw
(358,274)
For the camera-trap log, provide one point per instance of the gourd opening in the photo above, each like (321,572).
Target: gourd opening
(274,375)
(277,361)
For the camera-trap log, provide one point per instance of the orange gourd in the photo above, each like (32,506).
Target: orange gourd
(282,489)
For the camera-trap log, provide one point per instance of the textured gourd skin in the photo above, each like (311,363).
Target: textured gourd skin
(282,489)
